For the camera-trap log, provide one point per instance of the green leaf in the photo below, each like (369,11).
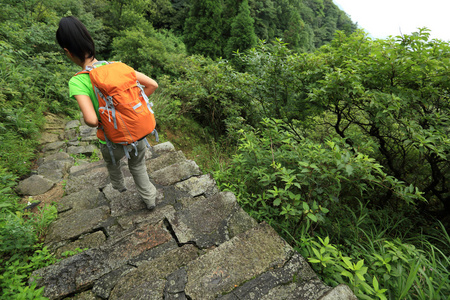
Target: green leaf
(348,263)
(305,206)
(360,276)
(375,283)
(317,253)
(4,204)
(312,217)
(359,264)
(277,202)
(349,169)
(410,280)
(347,274)
(324,210)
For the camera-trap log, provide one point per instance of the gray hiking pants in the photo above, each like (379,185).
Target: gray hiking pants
(137,167)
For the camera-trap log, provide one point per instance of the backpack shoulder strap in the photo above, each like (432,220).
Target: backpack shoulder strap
(82,72)
(95,65)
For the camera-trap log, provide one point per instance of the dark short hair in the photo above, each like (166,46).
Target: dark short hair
(73,35)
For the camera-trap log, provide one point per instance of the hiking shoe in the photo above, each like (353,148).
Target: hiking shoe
(120,189)
(150,204)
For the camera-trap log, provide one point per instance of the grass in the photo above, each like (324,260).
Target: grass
(198,145)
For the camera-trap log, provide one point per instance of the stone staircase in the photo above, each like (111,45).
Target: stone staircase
(197,243)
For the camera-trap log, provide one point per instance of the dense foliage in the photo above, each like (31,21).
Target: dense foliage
(340,142)
(209,27)
(344,150)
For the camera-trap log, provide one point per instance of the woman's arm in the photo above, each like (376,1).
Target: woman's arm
(150,84)
(89,115)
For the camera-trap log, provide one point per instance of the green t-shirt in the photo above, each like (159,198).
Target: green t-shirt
(81,85)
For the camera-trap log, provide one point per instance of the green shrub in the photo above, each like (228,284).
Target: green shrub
(152,52)
(386,268)
(16,153)
(20,254)
(317,196)
(292,182)
(17,270)
(16,235)
(19,233)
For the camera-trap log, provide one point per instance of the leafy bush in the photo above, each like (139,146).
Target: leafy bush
(207,93)
(375,264)
(288,180)
(152,52)
(393,92)
(310,192)
(16,235)
(20,254)
(16,271)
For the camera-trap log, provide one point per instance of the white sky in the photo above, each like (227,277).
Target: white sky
(382,18)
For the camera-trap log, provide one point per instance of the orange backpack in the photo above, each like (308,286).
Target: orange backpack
(126,115)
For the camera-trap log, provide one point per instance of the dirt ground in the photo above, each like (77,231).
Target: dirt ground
(52,196)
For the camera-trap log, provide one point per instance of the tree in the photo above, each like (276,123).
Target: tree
(243,35)
(203,28)
(393,93)
(230,11)
(264,12)
(386,98)
(159,12)
(179,13)
(150,51)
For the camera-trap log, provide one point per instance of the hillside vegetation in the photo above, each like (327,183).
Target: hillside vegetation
(339,142)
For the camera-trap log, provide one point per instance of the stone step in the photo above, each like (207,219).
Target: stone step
(198,243)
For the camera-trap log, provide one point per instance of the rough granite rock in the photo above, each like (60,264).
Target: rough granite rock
(71,135)
(55,156)
(176,283)
(73,124)
(197,186)
(164,160)
(55,167)
(76,224)
(72,274)
(47,138)
(123,203)
(143,217)
(146,282)
(239,222)
(204,222)
(341,292)
(88,295)
(88,134)
(85,150)
(163,148)
(55,170)
(34,185)
(89,241)
(54,147)
(295,271)
(309,290)
(176,172)
(82,176)
(87,198)
(103,286)
(235,262)
(80,271)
